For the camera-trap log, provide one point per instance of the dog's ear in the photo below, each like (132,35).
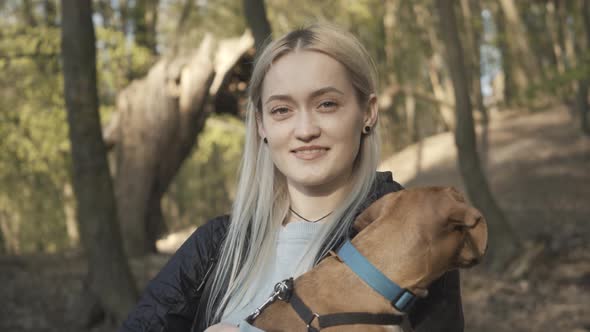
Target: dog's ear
(371,213)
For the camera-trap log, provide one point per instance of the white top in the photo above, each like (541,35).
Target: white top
(292,242)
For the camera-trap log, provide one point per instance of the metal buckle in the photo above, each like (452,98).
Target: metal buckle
(403,301)
(282,291)
(308,324)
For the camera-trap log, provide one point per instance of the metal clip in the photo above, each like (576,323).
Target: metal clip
(282,291)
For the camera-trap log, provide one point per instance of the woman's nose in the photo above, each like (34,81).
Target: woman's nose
(306,127)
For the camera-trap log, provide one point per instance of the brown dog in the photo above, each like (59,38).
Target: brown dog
(412,236)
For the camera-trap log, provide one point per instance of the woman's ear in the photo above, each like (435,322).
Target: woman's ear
(372,112)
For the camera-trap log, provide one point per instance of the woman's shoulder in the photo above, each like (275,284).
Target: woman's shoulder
(384,182)
(211,233)
(217,224)
(199,249)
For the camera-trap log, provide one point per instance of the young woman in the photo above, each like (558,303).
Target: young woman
(309,168)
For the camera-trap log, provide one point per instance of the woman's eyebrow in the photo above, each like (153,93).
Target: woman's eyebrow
(314,94)
(322,91)
(278,97)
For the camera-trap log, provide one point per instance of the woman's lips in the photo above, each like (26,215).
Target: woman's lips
(310,154)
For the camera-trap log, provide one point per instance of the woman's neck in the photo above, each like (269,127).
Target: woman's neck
(315,203)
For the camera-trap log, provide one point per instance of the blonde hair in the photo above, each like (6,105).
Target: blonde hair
(262,201)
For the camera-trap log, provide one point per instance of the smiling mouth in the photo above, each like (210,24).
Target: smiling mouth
(310,154)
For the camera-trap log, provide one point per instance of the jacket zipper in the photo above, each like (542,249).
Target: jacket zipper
(206,276)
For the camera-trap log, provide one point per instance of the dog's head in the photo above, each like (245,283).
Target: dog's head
(419,234)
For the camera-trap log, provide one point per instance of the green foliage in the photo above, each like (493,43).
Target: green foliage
(357,16)
(34,144)
(184,23)
(559,85)
(118,62)
(204,186)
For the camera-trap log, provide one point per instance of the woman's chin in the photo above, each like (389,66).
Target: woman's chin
(314,182)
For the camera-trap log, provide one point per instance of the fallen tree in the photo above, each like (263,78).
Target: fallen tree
(157,121)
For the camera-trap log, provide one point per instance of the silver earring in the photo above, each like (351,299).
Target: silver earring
(367,130)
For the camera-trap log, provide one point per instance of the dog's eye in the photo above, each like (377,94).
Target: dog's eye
(455,227)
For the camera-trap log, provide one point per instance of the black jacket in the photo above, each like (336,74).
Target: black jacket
(174,299)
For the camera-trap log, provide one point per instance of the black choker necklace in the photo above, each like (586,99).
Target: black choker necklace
(311,221)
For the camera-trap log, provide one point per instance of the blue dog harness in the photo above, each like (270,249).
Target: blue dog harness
(401,299)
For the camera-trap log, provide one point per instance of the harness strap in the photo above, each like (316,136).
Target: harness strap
(342,318)
(303,311)
(348,318)
(401,299)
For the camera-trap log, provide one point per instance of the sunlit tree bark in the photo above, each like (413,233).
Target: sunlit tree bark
(255,13)
(523,70)
(145,19)
(503,240)
(472,21)
(553,23)
(157,122)
(109,279)
(583,84)
(437,73)
(390,22)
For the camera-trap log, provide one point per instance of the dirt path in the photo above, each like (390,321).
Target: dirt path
(539,170)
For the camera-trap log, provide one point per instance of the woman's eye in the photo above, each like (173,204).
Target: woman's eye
(279,111)
(328,105)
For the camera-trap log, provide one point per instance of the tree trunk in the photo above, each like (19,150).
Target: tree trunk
(442,91)
(582,105)
(569,34)
(411,118)
(553,24)
(145,19)
(441,85)
(124,16)
(390,23)
(105,9)
(70,213)
(187,7)
(2,241)
(50,11)
(473,39)
(255,13)
(10,229)
(503,241)
(582,93)
(27,13)
(109,277)
(155,128)
(505,82)
(523,69)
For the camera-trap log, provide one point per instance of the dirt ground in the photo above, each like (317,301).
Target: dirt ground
(539,171)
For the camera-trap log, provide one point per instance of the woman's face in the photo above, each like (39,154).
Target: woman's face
(312,120)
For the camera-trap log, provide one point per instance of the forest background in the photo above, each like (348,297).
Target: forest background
(168,109)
